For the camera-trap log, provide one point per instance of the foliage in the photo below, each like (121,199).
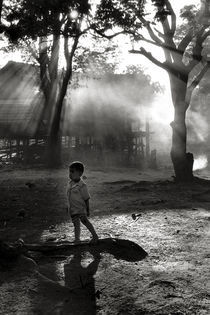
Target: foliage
(189,16)
(44,17)
(163,33)
(162,11)
(96,59)
(119,13)
(145,79)
(189,13)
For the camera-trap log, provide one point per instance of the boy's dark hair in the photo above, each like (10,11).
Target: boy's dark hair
(78,166)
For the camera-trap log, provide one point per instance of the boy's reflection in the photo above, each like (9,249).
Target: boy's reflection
(80,278)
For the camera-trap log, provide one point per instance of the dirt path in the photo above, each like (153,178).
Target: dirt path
(173,228)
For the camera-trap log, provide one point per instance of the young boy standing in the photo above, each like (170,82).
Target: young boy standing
(78,201)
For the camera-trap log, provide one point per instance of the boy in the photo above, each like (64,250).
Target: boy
(78,201)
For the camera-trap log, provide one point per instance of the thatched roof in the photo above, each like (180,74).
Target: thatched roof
(19,106)
(102,107)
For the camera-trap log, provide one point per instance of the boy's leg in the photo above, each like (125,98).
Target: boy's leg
(90,227)
(76,222)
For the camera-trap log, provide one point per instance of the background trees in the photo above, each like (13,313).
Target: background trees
(182,52)
(52,20)
(49,28)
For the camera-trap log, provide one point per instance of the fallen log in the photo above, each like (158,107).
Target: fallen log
(119,248)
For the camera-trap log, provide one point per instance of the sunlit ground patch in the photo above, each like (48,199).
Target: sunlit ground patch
(200,162)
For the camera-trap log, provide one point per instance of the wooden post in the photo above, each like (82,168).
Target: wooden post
(18,149)
(147,149)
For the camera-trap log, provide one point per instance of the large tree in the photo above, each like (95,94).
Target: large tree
(52,26)
(178,66)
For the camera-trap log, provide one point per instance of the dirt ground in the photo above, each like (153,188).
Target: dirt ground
(173,229)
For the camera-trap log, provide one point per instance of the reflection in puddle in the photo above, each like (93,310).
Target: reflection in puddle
(85,261)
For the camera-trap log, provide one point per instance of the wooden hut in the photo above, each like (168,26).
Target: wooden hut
(100,122)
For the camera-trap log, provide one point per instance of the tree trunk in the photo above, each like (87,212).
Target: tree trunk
(54,158)
(182,161)
(54,148)
(54,155)
(1,4)
(52,118)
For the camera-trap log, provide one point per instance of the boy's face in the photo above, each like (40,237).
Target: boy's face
(74,174)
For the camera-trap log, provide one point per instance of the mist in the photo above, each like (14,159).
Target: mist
(107,103)
(197,121)
(103,107)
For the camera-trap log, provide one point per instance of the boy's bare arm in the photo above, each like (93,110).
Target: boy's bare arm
(87,207)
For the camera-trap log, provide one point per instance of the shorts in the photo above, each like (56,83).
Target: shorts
(75,217)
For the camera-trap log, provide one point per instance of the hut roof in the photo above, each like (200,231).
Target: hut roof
(19,106)
(101,107)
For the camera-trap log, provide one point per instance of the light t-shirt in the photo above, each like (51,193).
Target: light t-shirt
(77,194)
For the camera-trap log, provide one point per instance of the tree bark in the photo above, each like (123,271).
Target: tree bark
(54,158)
(182,161)
(1,4)
(54,154)
(54,147)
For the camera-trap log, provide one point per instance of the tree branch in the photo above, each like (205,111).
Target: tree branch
(169,67)
(32,51)
(150,31)
(198,47)
(53,65)
(73,49)
(186,40)
(64,85)
(173,17)
(69,54)
(102,34)
(44,62)
(164,46)
(149,56)
(169,34)
(66,48)
(159,33)
(195,82)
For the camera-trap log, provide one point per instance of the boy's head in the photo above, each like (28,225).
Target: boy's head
(76,170)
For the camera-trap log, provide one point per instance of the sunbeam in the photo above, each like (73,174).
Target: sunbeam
(20,100)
